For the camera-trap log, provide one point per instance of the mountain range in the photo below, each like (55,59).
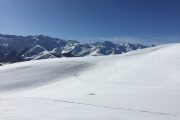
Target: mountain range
(15,48)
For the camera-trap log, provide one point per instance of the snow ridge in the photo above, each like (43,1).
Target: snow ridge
(138,85)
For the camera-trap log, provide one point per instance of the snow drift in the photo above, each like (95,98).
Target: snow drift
(139,85)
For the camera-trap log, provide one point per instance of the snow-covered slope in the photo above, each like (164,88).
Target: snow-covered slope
(36,53)
(139,85)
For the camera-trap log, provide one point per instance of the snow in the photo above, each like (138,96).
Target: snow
(139,85)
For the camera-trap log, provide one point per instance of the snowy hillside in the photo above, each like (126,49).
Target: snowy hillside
(139,85)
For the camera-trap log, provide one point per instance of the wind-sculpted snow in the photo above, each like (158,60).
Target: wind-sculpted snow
(139,85)
(33,75)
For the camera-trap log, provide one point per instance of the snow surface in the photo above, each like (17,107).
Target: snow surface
(140,85)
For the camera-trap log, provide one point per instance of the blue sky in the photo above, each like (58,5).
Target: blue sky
(147,21)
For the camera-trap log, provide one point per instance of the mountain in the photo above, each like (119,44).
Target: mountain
(37,53)
(22,48)
(138,85)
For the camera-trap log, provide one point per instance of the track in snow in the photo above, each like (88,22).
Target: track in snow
(109,107)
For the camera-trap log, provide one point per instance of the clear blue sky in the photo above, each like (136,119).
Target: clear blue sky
(92,20)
